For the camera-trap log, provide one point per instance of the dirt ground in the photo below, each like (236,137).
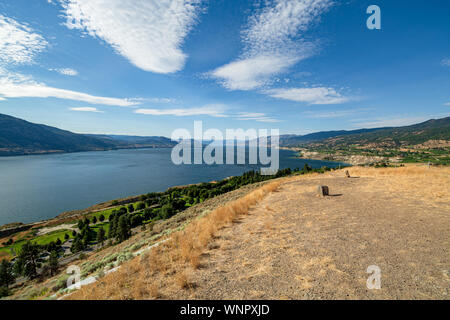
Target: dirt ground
(295,245)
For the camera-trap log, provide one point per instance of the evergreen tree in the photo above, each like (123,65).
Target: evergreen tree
(130,208)
(123,229)
(101,236)
(6,275)
(53,262)
(77,244)
(27,260)
(112,226)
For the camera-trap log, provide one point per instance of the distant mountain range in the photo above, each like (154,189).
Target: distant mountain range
(20,137)
(426,132)
(291,140)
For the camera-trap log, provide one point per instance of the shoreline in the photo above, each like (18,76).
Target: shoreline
(99,206)
(51,152)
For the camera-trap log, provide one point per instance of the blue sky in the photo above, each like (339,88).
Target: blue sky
(148,67)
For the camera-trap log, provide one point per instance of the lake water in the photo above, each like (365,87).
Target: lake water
(34,188)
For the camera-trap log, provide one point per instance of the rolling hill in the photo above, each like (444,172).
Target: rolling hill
(20,137)
(431,130)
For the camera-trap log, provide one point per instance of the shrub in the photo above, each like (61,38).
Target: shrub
(140,206)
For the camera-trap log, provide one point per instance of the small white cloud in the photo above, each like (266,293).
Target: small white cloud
(446,62)
(86,109)
(66,71)
(14,85)
(318,95)
(209,110)
(273,43)
(251,73)
(18,43)
(447,104)
(149,33)
(161,100)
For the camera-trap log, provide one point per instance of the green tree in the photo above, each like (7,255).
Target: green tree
(101,236)
(123,229)
(101,218)
(94,219)
(66,236)
(53,262)
(27,260)
(112,225)
(148,214)
(166,211)
(6,276)
(140,206)
(77,244)
(130,208)
(136,220)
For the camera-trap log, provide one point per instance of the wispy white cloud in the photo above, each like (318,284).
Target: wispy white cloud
(161,100)
(209,110)
(86,109)
(18,42)
(318,95)
(14,85)
(66,71)
(272,43)
(254,116)
(212,110)
(446,62)
(447,104)
(149,33)
(251,73)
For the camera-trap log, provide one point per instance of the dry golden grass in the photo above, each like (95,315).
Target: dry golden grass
(170,262)
(427,184)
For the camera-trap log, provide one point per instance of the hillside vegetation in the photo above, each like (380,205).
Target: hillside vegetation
(424,142)
(19,137)
(281,241)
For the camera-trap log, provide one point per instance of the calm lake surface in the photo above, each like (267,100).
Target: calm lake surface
(34,188)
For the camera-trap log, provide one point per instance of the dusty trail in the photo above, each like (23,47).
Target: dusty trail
(294,245)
